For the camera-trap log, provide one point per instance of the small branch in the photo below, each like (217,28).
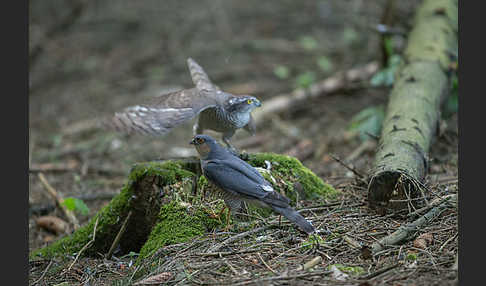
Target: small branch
(379,272)
(86,245)
(447,241)
(311,263)
(43,273)
(42,209)
(237,237)
(406,231)
(426,208)
(59,201)
(348,167)
(266,265)
(282,277)
(332,84)
(118,236)
(68,166)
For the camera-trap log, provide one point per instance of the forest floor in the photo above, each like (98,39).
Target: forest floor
(112,57)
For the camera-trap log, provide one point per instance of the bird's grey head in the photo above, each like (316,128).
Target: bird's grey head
(205,145)
(243,104)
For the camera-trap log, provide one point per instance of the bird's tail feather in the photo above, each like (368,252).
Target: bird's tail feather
(296,218)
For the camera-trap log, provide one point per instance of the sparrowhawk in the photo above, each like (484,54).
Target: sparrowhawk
(218,110)
(239,182)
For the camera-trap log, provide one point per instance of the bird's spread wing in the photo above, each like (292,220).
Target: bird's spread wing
(162,113)
(203,83)
(238,178)
(199,76)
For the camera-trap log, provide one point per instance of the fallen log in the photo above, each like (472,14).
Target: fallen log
(413,111)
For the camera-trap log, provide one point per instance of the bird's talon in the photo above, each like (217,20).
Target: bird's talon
(244,156)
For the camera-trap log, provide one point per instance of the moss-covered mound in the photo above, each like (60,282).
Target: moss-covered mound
(168,208)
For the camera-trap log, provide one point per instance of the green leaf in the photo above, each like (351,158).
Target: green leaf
(77,205)
(368,121)
(308,43)
(304,80)
(282,72)
(388,44)
(379,78)
(324,64)
(69,203)
(350,35)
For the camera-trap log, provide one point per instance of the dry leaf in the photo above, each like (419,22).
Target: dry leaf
(423,240)
(366,252)
(156,279)
(52,224)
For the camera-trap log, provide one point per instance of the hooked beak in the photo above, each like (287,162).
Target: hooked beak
(258,103)
(192,142)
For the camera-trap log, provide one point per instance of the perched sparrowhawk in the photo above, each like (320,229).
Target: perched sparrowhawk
(218,110)
(239,181)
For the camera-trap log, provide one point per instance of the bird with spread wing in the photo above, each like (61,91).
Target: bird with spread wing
(218,110)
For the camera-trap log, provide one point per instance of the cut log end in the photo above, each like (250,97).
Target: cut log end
(394,190)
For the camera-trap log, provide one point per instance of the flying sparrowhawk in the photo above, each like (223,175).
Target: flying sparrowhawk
(239,182)
(218,110)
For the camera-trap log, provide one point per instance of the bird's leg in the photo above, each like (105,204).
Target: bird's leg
(213,215)
(197,128)
(228,215)
(316,245)
(226,139)
(279,220)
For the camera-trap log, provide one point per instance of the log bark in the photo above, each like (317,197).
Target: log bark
(413,109)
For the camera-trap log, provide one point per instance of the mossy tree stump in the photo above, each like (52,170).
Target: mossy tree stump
(166,209)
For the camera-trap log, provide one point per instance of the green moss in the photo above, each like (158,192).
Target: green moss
(351,270)
(177,223)
(107,217)
(184,216)
(312,241)
(291,171)
(170,171)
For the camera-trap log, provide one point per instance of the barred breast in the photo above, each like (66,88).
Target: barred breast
(218,120)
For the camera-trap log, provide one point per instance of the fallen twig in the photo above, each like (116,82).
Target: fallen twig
(42,209)
(332,84)
(266,265)
(361,176)
(432,205)
(118,236)
(311,263)
(59,201)
(43,273)
(68,166)
(86,245)
(237,237)
(281,277)
(406,231)
(379,272)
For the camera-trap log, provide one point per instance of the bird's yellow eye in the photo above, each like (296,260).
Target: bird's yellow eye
(200,140)
(249,101)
